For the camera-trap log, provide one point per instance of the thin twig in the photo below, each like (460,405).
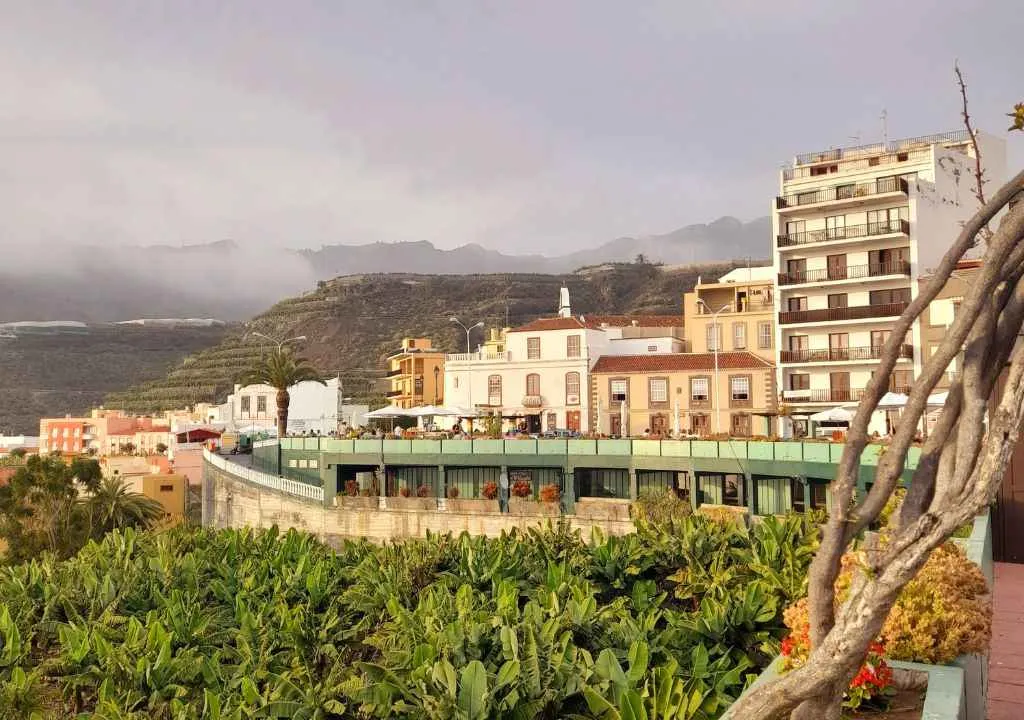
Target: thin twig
(979,173)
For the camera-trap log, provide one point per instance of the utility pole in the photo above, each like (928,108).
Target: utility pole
(718,342)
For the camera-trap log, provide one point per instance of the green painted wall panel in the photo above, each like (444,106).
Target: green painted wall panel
(733,449)
(398,447)
(913,457)
(817,452)
(457,447)
(367,446)
(426,447)
(582,447)
(792,451)
(337,445)
(647,448)
(520,447)
(311,443)
(675,448)
(871,454)
(835,452)
(759,450)
(704,448)
(552,446)
(613,447)
(489,447)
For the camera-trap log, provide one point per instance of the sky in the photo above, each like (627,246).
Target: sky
(526,126)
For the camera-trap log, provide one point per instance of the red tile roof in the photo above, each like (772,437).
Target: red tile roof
(555,323)
(595,322)
(675,362)
(640,320)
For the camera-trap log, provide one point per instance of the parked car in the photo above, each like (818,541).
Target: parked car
(560,433)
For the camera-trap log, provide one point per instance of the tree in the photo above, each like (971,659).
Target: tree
(161,448)
(960,470)
(112,507)
(39,508)
(281,369)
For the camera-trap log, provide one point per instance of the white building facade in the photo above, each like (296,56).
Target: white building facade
(854,230)
(538,378)
(312,407)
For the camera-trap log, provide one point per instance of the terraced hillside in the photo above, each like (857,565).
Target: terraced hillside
(353,322)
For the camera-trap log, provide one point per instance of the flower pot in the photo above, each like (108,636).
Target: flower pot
(521,506)
(411,503)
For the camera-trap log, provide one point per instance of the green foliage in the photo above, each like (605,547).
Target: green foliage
(660,506)
(536,624)
(41,510)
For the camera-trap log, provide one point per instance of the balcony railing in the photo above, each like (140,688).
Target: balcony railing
(478,356)
(860,312)
(860,151)
(393,373)
(851,191)
(756,306)
(850,272)
(848,232)
(832,395)
(873,352)
(394,393)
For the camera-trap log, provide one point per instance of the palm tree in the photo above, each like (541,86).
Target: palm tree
(281,369)
(112,507)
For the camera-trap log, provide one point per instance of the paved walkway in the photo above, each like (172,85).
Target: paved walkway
(1006,660)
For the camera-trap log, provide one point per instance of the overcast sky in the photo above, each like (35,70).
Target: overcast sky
(547,125)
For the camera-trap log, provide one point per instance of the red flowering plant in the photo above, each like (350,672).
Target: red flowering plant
(873,682)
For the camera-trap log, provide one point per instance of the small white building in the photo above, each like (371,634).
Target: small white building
(537,376)
(29,443)
(313,407)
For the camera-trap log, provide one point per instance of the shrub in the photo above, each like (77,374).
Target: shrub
(423,491)
(872,680)
(723,514)
(404,492)
(550,493)
(522,489)
(659,506)
(490,490)
(352,488)
(452,492)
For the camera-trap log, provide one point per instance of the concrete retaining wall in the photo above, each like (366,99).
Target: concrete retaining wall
(231,502)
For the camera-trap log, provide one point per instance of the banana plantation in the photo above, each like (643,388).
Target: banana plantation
(671,622)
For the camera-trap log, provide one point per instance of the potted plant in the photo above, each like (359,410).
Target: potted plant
(522,502)
(485,504)
(424,499)
(490,490)
(404,491)
(355,498)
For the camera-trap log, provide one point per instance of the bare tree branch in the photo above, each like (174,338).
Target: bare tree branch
(979,190)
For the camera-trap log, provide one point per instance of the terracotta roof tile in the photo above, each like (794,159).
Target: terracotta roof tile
(675,362)
(640,320)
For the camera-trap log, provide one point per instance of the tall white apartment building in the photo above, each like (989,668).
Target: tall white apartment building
(854,230)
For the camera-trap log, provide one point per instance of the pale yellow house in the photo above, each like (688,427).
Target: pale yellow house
(416,374)
(745,319)
(637,395)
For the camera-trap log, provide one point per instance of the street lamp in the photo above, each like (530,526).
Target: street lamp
(279,343)
(467,329)
(718,342)
(437,372)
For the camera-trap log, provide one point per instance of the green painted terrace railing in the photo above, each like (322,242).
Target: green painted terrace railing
(788,451)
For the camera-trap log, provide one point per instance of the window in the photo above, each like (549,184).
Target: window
(533,384)
(739,390)
(314,464)
(796,304)
(455,382)
(658,390)
(700,424)
(888,220)
(796,270)
(845,191)
(839,384)
(764,335)
(740,425)
(889,297)
(795,229)
(417,386)
(836,267)
(800,381)
(835,227)
(572,388)
(166,488)
(619,390)
(246,400)
(699,390)
(261,403)
(572,346)
(494,390)
(713,332)
(739,336)
(837,300)
(552,421)
(901,380)
(533,348)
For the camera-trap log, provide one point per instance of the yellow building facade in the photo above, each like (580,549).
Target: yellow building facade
(416,374)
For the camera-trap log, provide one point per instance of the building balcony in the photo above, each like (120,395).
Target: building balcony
(860,312)
(849,232)
(482,356)
(394,373)
(850,272)
(533,401)
(831,395)
(394,393)
(747,307)
(846,354)
(850,194)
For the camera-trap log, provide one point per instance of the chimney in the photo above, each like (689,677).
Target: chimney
(563,303)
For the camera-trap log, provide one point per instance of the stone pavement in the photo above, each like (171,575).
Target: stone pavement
(1006,660)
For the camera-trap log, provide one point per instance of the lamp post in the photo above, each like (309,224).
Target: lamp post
(468,330)
(718,342)
(279,343)
(437,373)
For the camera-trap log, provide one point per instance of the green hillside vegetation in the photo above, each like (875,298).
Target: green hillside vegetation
(353,322)
(51,375)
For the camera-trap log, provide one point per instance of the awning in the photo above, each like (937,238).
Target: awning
(520,412)
(835,415)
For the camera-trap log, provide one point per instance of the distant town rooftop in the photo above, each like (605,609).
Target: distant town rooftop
(892,146)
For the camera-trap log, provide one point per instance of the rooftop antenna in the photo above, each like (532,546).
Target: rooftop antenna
(884,117)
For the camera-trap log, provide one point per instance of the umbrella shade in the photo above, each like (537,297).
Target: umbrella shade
(623,420)
(836,414)
(675,418)
(444,411)
(892,401)
(389,412)
(937,400)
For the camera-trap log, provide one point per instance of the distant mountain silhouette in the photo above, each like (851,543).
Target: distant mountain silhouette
(230,281)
